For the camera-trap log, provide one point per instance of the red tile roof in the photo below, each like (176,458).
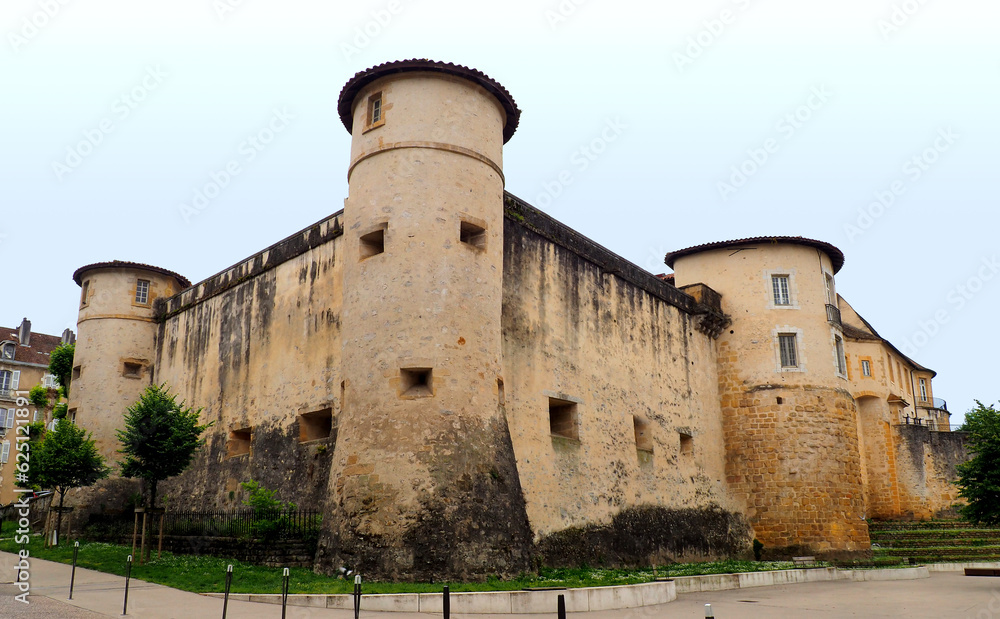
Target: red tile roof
(355,84)
(38,352)
(116,264)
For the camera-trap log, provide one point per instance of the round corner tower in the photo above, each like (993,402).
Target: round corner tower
(116,343)
(424,483)
(790,423)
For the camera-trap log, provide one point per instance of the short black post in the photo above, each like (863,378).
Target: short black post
(229,582)
(357,596)
(72,574)
(446,602)
(128,576)
(284,592)
(561,606)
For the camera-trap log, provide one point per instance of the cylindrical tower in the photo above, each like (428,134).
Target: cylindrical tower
(790,422)
(116,343)
(424,482)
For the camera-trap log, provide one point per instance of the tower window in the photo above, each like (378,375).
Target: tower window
(239,442)
(563,419)
(376,112)
(866,367)
(472,235)
(923,390)
(84,292)
(686,445)
(142,292)
(132,370)
(416,383)
(789,352)
(643,434)
(779,288)
(373,243)
(316,425)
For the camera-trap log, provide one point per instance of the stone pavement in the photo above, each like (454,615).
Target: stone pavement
(945,595)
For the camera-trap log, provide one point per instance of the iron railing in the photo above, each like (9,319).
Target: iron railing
(241,523)
(833,314)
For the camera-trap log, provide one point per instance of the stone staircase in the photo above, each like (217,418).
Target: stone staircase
(933,541)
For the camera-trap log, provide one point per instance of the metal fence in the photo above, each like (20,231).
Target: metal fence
(241,523)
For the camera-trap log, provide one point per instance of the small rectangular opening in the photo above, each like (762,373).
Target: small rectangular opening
(315,426)
(416,382)
(239,442)
(471,234)
(501,395)
(563,419)
(83,293)
(132,370)
(375,111)
(372,243)
(643,433)
(76,372)
(866,367)
(71,415)
(687,445)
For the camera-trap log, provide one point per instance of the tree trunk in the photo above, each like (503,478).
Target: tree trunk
(152,494)
(62,497)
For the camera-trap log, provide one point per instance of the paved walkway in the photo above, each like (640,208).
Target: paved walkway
(945,595)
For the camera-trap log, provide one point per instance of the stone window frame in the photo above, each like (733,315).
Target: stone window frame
(793,289)
(375,105)
(800,352)
(839,354)
(146,292)
(861,365)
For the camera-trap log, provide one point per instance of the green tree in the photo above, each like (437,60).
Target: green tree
(65,458)
(39,396)
(159,438)
(61,364)
(979,477)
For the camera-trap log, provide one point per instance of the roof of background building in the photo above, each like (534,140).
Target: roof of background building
(355,84)
(122,264)
(836,256)
(38,352)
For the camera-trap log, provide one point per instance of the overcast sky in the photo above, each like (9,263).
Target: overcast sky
(649,127)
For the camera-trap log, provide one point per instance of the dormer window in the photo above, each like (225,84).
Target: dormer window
(7,350)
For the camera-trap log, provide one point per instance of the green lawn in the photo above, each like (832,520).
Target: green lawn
(202,574)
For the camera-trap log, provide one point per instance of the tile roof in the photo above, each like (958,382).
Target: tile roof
(354,85)
(836,256)
(38,352)
(114,264)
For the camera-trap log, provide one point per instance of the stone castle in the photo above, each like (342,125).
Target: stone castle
(463,384)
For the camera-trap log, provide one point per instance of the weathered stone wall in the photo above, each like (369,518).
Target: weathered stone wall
(926,469)
(585,327)
(256,346)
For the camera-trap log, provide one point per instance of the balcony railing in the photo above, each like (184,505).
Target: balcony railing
(833,314)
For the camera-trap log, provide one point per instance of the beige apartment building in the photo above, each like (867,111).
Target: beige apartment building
(463,384)
(24,363)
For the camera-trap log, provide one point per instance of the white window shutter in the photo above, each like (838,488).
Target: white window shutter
(8,418)
(5,451)
(15,380)
(35,418)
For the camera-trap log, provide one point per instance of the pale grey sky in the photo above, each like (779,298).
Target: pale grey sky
(877,118)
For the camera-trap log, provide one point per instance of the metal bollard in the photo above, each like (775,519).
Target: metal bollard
(708,612)
(561,606)
(72,574)
(446,602)
(284,592)
(229,582)
(357,596)
(128,576)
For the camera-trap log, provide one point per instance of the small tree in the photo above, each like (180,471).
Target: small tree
(61,364)
(65,458)
(979,478)
(39,396)
(159,438)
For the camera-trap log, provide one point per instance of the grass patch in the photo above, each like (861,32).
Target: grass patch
(204,574)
